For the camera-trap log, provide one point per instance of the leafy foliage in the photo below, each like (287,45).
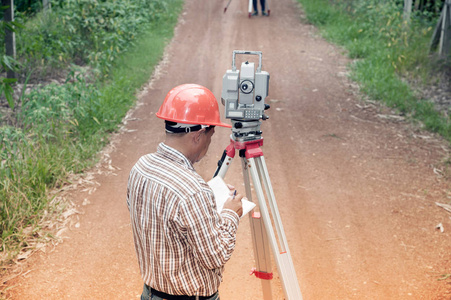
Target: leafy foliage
(29,7)
(7,63)
(108,50)
(85,32)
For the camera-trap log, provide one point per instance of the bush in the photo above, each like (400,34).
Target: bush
(84,32)
(60,127)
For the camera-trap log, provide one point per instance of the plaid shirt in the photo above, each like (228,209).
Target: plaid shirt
(181,241)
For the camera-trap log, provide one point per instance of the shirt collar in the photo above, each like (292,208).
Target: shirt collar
(174,155)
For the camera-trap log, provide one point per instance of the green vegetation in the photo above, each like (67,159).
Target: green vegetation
(84,32)
(105,51)
(388,52)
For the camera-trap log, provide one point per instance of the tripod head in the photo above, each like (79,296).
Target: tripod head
(243,95)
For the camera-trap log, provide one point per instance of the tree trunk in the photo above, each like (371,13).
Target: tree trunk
(407,10)
(46,5)
(445,40)
(441,37)
(10,37)
(417,4)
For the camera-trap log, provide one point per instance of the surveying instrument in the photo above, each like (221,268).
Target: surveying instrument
(243,95)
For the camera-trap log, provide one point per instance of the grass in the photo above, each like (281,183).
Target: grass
(62,128)
(387,53)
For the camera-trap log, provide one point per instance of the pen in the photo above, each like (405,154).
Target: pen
(234,194)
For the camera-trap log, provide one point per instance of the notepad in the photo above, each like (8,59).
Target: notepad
(222,193)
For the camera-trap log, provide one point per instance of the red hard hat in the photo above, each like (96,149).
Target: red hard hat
(191,104)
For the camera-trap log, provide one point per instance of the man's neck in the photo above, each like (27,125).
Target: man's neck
(183,145)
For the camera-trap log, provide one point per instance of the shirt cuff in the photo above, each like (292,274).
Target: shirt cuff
(231,215)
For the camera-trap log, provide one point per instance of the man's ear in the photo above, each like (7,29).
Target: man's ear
(197,135)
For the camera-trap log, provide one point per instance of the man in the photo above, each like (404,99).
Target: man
(262,4)
(181,241)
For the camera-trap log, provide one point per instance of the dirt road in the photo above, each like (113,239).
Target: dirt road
(356,187)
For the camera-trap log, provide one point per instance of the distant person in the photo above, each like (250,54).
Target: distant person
(262,4)
(181,241)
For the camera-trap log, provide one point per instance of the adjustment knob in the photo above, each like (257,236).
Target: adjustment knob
(267,106)
(238,125)
(258,98)
(265,117)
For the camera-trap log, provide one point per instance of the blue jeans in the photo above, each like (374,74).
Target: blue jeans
(147,296)
(262,3)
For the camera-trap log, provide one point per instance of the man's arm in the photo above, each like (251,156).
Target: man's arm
(211,235)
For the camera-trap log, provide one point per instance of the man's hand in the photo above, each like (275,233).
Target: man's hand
(234,203)
(231,188)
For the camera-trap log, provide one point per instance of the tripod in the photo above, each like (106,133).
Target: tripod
(253,162)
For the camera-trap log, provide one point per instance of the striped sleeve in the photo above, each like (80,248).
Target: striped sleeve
(212,235)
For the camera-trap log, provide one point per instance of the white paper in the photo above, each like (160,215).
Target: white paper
(222,193)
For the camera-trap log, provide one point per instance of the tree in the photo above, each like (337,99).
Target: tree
(442,33)
(10,37)
(46,5)
(8,61)
(407,10)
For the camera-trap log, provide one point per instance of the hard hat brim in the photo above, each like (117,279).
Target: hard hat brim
(221,124)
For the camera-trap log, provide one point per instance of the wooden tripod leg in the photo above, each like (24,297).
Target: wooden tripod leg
(262,254)
(279,246)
